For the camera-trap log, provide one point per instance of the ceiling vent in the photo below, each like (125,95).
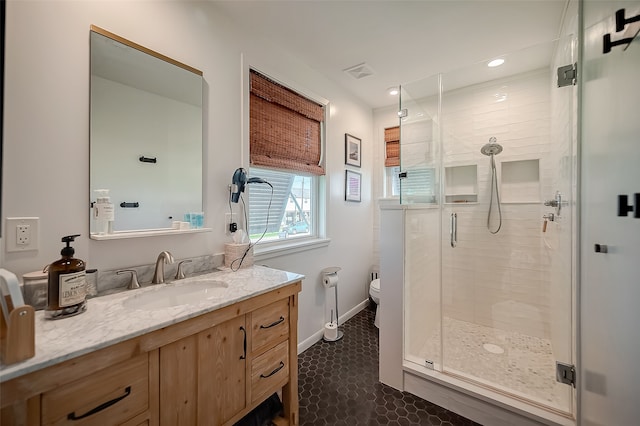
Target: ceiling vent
(359,71)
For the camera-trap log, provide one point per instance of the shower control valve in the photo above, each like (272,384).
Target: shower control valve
(557,202)
(549,217)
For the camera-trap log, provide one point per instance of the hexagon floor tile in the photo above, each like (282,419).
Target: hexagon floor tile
(338,385)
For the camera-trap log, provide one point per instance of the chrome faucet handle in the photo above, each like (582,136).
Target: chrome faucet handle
(158,275)
(133,284)
(180,272)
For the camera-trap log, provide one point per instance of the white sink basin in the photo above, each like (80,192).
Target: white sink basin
(192,291)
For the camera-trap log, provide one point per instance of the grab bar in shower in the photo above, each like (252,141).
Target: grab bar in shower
(453,229)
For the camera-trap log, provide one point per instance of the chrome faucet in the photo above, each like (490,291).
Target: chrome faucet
(158,275)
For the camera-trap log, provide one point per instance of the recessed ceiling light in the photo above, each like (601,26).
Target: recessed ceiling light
(393,91)
(496,63)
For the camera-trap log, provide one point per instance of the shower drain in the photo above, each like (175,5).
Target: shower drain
(494,349)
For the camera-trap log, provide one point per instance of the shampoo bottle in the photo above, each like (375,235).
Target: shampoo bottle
(67,284)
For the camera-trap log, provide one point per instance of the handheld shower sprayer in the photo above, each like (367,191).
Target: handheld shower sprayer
(492,149)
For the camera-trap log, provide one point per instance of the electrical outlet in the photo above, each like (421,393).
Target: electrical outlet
(229,218)
(22,233)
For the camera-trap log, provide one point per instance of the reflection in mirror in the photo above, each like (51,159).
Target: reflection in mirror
(145,138)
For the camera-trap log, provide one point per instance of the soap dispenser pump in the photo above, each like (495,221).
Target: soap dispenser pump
(67,284)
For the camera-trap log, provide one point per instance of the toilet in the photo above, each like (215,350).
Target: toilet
(374,292)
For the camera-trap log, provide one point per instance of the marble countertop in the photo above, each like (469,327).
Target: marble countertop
(117,317)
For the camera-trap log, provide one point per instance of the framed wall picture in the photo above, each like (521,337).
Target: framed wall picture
(352,186)
(352,150)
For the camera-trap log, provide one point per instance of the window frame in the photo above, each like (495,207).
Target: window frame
(318,229)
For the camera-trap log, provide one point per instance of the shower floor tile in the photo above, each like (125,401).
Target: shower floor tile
(510,361)
(338,385)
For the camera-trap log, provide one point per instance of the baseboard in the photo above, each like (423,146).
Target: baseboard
(315,337)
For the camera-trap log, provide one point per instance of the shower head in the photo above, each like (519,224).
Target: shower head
(492,148)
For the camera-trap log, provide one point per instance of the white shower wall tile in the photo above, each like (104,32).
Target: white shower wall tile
(499,280)
(514,281)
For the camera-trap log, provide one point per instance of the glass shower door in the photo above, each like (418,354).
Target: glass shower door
(420,188)
(508,148)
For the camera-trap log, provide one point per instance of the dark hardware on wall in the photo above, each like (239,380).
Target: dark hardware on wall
(144,159)
(624,208)
(607,44)
(601,248)
(621,23)
(402,175)
(126,205)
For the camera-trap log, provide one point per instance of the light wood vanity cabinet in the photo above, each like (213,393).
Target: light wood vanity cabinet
(209,370)
(202,377)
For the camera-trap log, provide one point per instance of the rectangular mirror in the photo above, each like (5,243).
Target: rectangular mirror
(145,138)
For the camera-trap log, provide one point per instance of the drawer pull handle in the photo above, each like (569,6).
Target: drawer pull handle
(273,324)
(280,367)
(244,345)
(127,392)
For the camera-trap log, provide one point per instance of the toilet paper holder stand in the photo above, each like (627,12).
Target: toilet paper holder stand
(326,273)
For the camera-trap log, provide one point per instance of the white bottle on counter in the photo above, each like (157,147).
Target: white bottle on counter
(103,212)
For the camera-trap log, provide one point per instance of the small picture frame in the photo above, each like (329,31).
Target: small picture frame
(352,150)
(352,186)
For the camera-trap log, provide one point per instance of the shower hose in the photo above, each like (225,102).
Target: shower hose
(494,185)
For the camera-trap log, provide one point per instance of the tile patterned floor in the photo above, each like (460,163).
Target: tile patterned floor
(338,385)
(525,368)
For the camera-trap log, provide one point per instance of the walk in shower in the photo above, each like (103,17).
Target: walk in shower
(493,309)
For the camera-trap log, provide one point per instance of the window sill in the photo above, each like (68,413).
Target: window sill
(282,249)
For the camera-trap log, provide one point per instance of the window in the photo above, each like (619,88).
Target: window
(286,140)
(419,185)
(288,212)
(392,160)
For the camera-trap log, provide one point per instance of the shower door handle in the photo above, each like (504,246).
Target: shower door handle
(453,229)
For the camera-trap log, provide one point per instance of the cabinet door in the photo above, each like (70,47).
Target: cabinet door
(178,382)
(222,352)
(26,413)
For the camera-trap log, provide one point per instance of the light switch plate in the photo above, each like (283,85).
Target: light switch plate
(28,233)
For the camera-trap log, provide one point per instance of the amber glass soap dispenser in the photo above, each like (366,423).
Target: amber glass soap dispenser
(67,285)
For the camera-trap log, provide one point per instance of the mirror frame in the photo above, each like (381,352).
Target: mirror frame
(138,233)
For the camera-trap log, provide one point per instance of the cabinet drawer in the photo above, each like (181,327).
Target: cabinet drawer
(269,370)
(108,397)
(269,323)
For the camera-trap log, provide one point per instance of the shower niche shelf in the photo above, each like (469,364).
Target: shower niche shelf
(461,184)
(520,181)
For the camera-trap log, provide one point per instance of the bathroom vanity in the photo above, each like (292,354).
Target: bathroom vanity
(201,351)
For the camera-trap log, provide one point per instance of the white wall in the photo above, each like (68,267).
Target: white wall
(46,128)
(609,377)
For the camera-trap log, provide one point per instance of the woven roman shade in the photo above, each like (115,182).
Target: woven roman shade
(392,146)
(285,128)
